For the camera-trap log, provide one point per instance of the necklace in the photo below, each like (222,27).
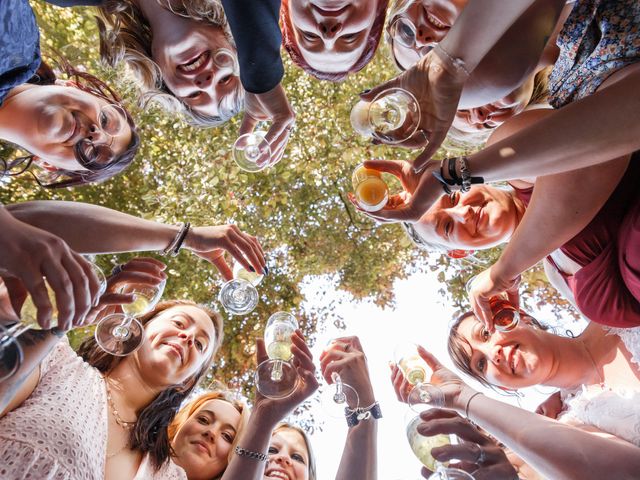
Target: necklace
(114,411)
(593,362)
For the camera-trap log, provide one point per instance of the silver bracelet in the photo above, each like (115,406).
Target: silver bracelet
(456,62)
(243,452)
(174,246)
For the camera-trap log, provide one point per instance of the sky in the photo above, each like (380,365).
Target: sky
(419,316)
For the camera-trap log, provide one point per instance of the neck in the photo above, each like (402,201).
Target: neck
(131,389)
(12,118)
(154,13)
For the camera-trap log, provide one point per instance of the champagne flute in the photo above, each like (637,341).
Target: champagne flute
(414,369)
(505,316)
(240,296)
(121,334)
(422,447)
(371,191)
(249,148)
(277,377)
(392,117)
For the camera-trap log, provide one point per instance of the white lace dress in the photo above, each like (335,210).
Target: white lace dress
(60,431)
(616,411)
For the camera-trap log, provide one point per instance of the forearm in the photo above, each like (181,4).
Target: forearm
(93,229)
(256,437)
(593,130)
(36,345)
(573,453)
(526,26)
(359,457)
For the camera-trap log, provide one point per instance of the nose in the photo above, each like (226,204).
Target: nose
(330,27)
(96,134)
(186,336)
(204,79)
(496,354)
(461,213)
(282,459)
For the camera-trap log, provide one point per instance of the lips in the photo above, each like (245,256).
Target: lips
(203,447)
(511,361)
(277,473)
(176,348)
(330,12)
(75,129)
(196,64)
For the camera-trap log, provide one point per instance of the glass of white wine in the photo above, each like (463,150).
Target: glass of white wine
(240,296)
(277,377)
(392,117)
(422,447)
(249,148)
(415,369)
(121,334)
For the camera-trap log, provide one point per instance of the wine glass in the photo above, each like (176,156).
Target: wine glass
(277,377)
(240,296)
(505,316)
(339,399)
(422,446)
(371,191)
(11,355)
(414,369)
(249,148)
(392,117)
(121,334)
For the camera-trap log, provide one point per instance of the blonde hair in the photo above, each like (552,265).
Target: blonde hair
(312,459)
(194,405)
(125,35)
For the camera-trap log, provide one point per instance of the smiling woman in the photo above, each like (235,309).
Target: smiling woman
(290,455)
(76,130)
(181,53)
(330,39)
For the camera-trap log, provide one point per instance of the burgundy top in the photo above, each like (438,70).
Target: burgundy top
(607,286)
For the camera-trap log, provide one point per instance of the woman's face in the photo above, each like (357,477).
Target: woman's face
(288,456)
(198,64)
(481,218)
(494,114)
(178,342)
(64,115)
(431,20)
(332,34)
(203,444)
(516,359)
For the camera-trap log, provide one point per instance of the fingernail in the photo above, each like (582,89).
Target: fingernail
(252,269)
(364,92)
(266,270)
(375,141)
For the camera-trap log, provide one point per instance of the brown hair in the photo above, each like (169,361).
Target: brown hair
(149,434)
(86,82)
(125,35)
(290,44)
(457,346)
(312,459)
(194,405)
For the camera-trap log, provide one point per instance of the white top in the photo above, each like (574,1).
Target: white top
(60,431)
(612,410)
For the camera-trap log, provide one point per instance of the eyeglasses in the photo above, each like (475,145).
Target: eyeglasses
(112,120)
(403,31)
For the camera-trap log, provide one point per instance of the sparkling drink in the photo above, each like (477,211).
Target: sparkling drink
(29,312)
(139,306)
(241,273)
(388,113)
(279,350)
(505,316)
(422,445)
(371,191)
(413,369)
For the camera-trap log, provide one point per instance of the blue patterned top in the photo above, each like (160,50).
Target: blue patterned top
(598,38)
(20,41)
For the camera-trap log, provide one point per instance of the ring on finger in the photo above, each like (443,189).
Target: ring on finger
(482,456)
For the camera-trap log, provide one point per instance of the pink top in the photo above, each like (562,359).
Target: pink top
(60,431)
(607,287)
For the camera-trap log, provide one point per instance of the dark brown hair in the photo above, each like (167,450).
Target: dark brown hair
(86,82)
(290,44)
(149,434)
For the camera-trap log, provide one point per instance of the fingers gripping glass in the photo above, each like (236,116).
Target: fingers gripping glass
(415,369)
(277,377)
(121,334)
(392,117)
(112,121)
(505,316)
(240,296)
(10,350)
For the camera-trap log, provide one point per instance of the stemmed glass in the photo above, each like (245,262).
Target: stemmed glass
(336,398)
(121,334)
(10,350)
(370,190)
(277,377)
(422,446)
(414,369)
(249,148)
(505,316)
(392,117)
(240,296)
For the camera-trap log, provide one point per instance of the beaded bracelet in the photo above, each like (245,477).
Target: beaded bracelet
(243,452)
(355,416)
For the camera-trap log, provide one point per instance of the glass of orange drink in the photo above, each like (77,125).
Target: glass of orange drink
(370,189)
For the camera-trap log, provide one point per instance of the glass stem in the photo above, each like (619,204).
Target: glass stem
(14,331)
(276,371)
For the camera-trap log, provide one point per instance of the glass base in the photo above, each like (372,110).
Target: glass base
(10,356)
(119,335)
(251,148)
(238,297)
(448,473)
(276,378)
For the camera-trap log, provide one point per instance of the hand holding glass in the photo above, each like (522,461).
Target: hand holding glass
(415,369)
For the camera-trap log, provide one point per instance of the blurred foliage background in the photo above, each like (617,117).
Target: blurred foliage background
(298,209)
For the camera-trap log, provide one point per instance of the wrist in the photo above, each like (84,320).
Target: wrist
(503,271)
(460,402)
(264,417)
(455,68)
